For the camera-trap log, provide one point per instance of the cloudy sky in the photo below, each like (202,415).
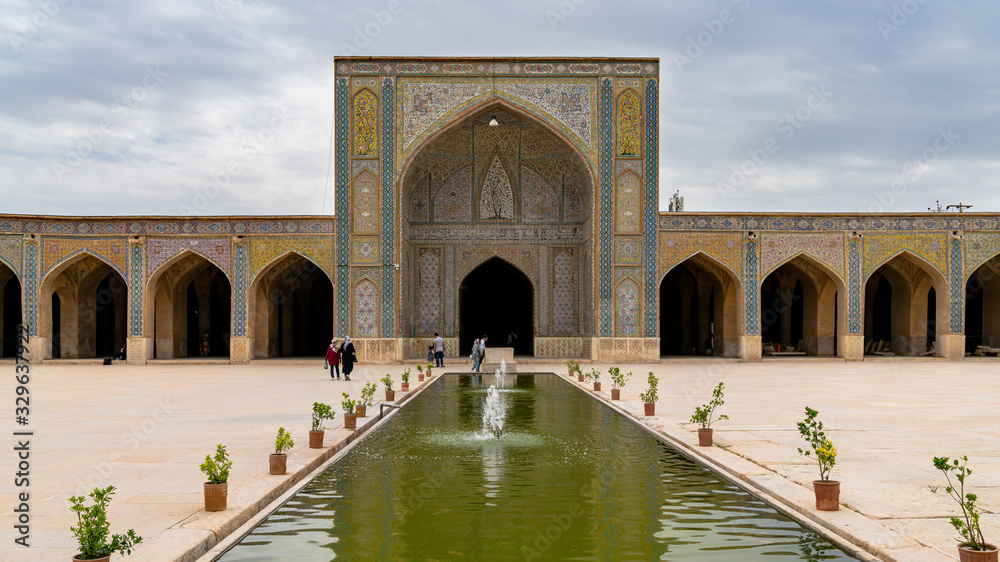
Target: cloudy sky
(847,106)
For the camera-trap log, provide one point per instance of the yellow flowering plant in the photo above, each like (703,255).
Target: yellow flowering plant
(826,454)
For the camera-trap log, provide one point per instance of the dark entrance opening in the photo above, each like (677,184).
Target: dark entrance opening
(11,316)
(56,326)
(496,300)
(882,313)
(687,314)
(110,310)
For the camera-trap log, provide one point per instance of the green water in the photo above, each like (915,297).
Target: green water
(568,480)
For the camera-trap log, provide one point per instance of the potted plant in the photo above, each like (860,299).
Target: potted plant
(217,487)
(827,491)
(350,418)
(278,460)
(704,415)
(420,373)
(429,367)
(390,394)
(573,367)
(618,380)
(406,380)
(650,397)
(973,547)
(92,528)
(367,399)
(595,375)
(320,412)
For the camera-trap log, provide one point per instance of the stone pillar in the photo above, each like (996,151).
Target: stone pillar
(239,351)
(750,349)
(853,346)
(950,346)
(137,350)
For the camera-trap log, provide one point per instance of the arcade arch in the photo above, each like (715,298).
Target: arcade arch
(699,305)
(800,308)
(497,299)
(902,309)
(83,305)
(982,306)
(191,298)
(292,308)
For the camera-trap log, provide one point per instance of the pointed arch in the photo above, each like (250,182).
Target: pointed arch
(701,307)
(496,196)
(913,311)
(497,298)
(628,308)
(292,307)
(803,301)
(11,310)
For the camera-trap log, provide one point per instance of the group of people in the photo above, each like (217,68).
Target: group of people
(478,352)
(435,351)
(338,352)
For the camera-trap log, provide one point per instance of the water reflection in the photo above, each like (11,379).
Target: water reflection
(569,479)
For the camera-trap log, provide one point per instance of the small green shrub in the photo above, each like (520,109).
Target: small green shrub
(704,414)
(283,442)
(217,468)
(594,375)
(968,524)
(812,431)
(92,528)
(618,380)
(650,396)
(347,404)
(406,375)
(573,366)
(368,394)
(387,382)
(321,412)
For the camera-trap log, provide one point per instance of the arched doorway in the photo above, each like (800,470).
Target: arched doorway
(293,309)
(902,316)
(518,189)
(191,309)
(496,300)
(982,306)
(10,311)
(698,309)
(800,310)
(83,309)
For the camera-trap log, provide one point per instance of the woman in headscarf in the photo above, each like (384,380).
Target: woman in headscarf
(348,357)
(333,358)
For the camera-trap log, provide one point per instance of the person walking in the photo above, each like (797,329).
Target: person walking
(438,350)
(348,357)
(475,355)
(333,358)
(482,351)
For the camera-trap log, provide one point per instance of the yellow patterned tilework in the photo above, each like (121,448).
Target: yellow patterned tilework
(724,247)
(365,123)
(263,251)
(364,250)
(10,252)
(112,250)
(980,247)
(879,248)
(629,124)
(827,249)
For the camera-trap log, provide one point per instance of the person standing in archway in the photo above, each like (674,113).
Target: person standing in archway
(348,357)
(438,350)
(482,352)
(333,358)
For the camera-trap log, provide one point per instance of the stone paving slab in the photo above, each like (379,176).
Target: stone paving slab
(145,429)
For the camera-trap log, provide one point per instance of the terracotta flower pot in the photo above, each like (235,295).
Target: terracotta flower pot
(650,409)
(216,496)
(579,377)
(827,495)
(704,437)
(597,387)
(390,395)
(616,393)
(428,372)
(966,555)
(420,377)
(350,421)
(361,410)
(406,386)
(101,559)
(570,372)
(277,462)
(316,439)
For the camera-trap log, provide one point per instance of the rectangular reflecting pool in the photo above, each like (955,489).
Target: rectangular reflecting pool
(568,479)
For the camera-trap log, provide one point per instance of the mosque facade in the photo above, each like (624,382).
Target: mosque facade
(515,197)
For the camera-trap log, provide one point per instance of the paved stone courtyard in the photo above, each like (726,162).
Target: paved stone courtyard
(145,430)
